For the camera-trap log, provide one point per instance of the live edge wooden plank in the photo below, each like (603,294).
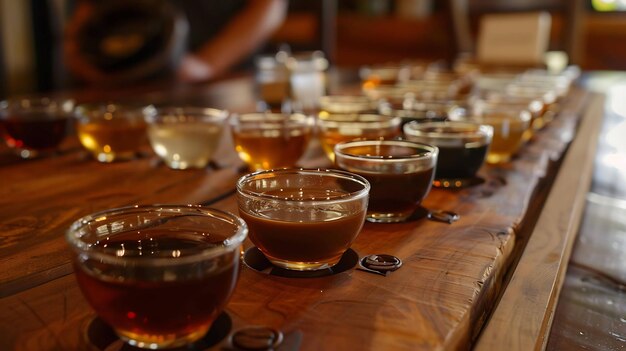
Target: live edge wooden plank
(524,314)
(438,300)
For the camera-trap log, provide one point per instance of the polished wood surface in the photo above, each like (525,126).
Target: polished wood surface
(528,304)
(450,280)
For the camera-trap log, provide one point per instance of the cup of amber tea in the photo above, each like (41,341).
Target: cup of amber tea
(509,128)
(303,219)
(112,132)
(462,146)
(35,126)
(271,140)
(335,128)
(185,137)
(400,173)
(158,275)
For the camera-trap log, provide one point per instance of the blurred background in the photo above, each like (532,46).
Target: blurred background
(350,32)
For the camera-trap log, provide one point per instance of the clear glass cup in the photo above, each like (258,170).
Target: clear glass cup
(303,219)
(307,78)
(112,132)
(400,172)
(335,128)
(35,127)
(346,104)
(509,127)
(462,146)
(159,275)
(271,140)
(273,79)
(185,137)
(385,74)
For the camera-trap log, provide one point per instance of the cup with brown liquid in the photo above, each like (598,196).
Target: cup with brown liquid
(400,172)
(159,275)
(35,127)
(335,128)
(112,132)
(462,147)
(303,219)
(271,140)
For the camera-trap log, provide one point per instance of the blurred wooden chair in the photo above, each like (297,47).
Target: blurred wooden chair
(567,32)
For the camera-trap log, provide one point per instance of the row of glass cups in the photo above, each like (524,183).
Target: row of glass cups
(165,251)
(125,254)
(185,137)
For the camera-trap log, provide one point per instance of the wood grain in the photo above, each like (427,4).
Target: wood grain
(438,300)
(528,304)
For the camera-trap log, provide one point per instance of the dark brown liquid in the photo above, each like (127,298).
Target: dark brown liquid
(144,302)
(35,131)
(398,193)
(308,240)
(459,162)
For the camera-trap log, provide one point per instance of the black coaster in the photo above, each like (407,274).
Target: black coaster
(457,183)
(254,259)
(102,337)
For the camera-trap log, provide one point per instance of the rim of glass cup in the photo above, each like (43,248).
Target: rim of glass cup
(355,195)
(38,104)
(463,132)
(76,232)
(346,104)
(113,110)
(271,120)
(361,120)
(183,114)
(431,151)
(462,114)
(534,104)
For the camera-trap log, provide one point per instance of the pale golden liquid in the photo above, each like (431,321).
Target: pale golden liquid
(270,149)
(508,137)
(115,139)
(185,145)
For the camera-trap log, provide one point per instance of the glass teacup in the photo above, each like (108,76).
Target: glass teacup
(462,146)
(400,173)
(112,132)
(35,126)
(509,128)
(335,128)
(185,137)
(159,275)
(303,219)
(271,140)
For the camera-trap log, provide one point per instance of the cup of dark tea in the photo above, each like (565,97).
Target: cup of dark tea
(113,132)
(159,275)
(400,173)
(462,147)
(303,219)
(35,126)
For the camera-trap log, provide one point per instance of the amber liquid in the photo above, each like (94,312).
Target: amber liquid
(270,149)
(156,305)
(330,138)
(34,131)
(459,162)
(293,242)
(115,139)
(508,137)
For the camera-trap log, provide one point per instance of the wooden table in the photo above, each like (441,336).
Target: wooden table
(452,277)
